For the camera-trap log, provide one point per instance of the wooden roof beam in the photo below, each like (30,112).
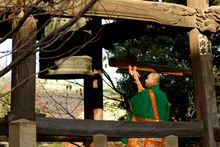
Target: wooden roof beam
(161,13)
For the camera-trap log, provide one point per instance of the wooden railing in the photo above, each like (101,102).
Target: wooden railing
(71,129)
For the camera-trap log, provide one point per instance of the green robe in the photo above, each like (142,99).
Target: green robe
(142,106)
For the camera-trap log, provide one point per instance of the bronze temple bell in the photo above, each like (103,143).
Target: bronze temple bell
(66,58)
(72,67)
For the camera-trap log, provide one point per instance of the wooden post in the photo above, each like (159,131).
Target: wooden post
(100,140)
(23,75)
(93,96)
(23,84)
(22,133)
(88,109)
(96,54)
(202,70)
(93,87)
(171,141)
(98,95)
(93,93)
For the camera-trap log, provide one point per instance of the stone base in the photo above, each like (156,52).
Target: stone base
(22,133)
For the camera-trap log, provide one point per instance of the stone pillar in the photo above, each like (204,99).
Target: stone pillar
(22,133)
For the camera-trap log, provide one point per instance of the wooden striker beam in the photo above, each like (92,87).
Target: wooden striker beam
(151,68)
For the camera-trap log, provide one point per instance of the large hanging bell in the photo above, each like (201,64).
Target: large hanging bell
(56,60)
(72,67)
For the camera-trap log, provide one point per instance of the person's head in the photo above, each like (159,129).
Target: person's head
(152,79)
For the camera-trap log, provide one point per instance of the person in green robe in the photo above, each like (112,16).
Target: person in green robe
(150,104)
(141,103)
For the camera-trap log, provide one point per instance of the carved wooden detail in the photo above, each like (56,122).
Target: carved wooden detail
(209,20)
(162,13)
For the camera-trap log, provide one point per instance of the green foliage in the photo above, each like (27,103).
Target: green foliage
(172,49)
(161,49)
(216,49)
(188,142)
(214,2)
(217,85)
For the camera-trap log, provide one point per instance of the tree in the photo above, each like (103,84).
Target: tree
(165,48)
(9,16)
(15,20)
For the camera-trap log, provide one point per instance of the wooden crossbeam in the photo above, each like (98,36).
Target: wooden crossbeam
(162,13)
(151,67)
(83,128)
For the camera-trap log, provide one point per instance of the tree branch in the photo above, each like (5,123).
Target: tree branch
(21,22)
(39,44)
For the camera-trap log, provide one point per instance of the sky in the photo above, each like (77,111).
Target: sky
(5,49)
(5,54)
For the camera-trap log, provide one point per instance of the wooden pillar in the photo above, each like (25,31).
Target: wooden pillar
(23,75)
(97,69)
(88,108)
(93,96)
(23,83)
(203,78)
(93,92)
(98,95)
(100,140)
(93,86)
